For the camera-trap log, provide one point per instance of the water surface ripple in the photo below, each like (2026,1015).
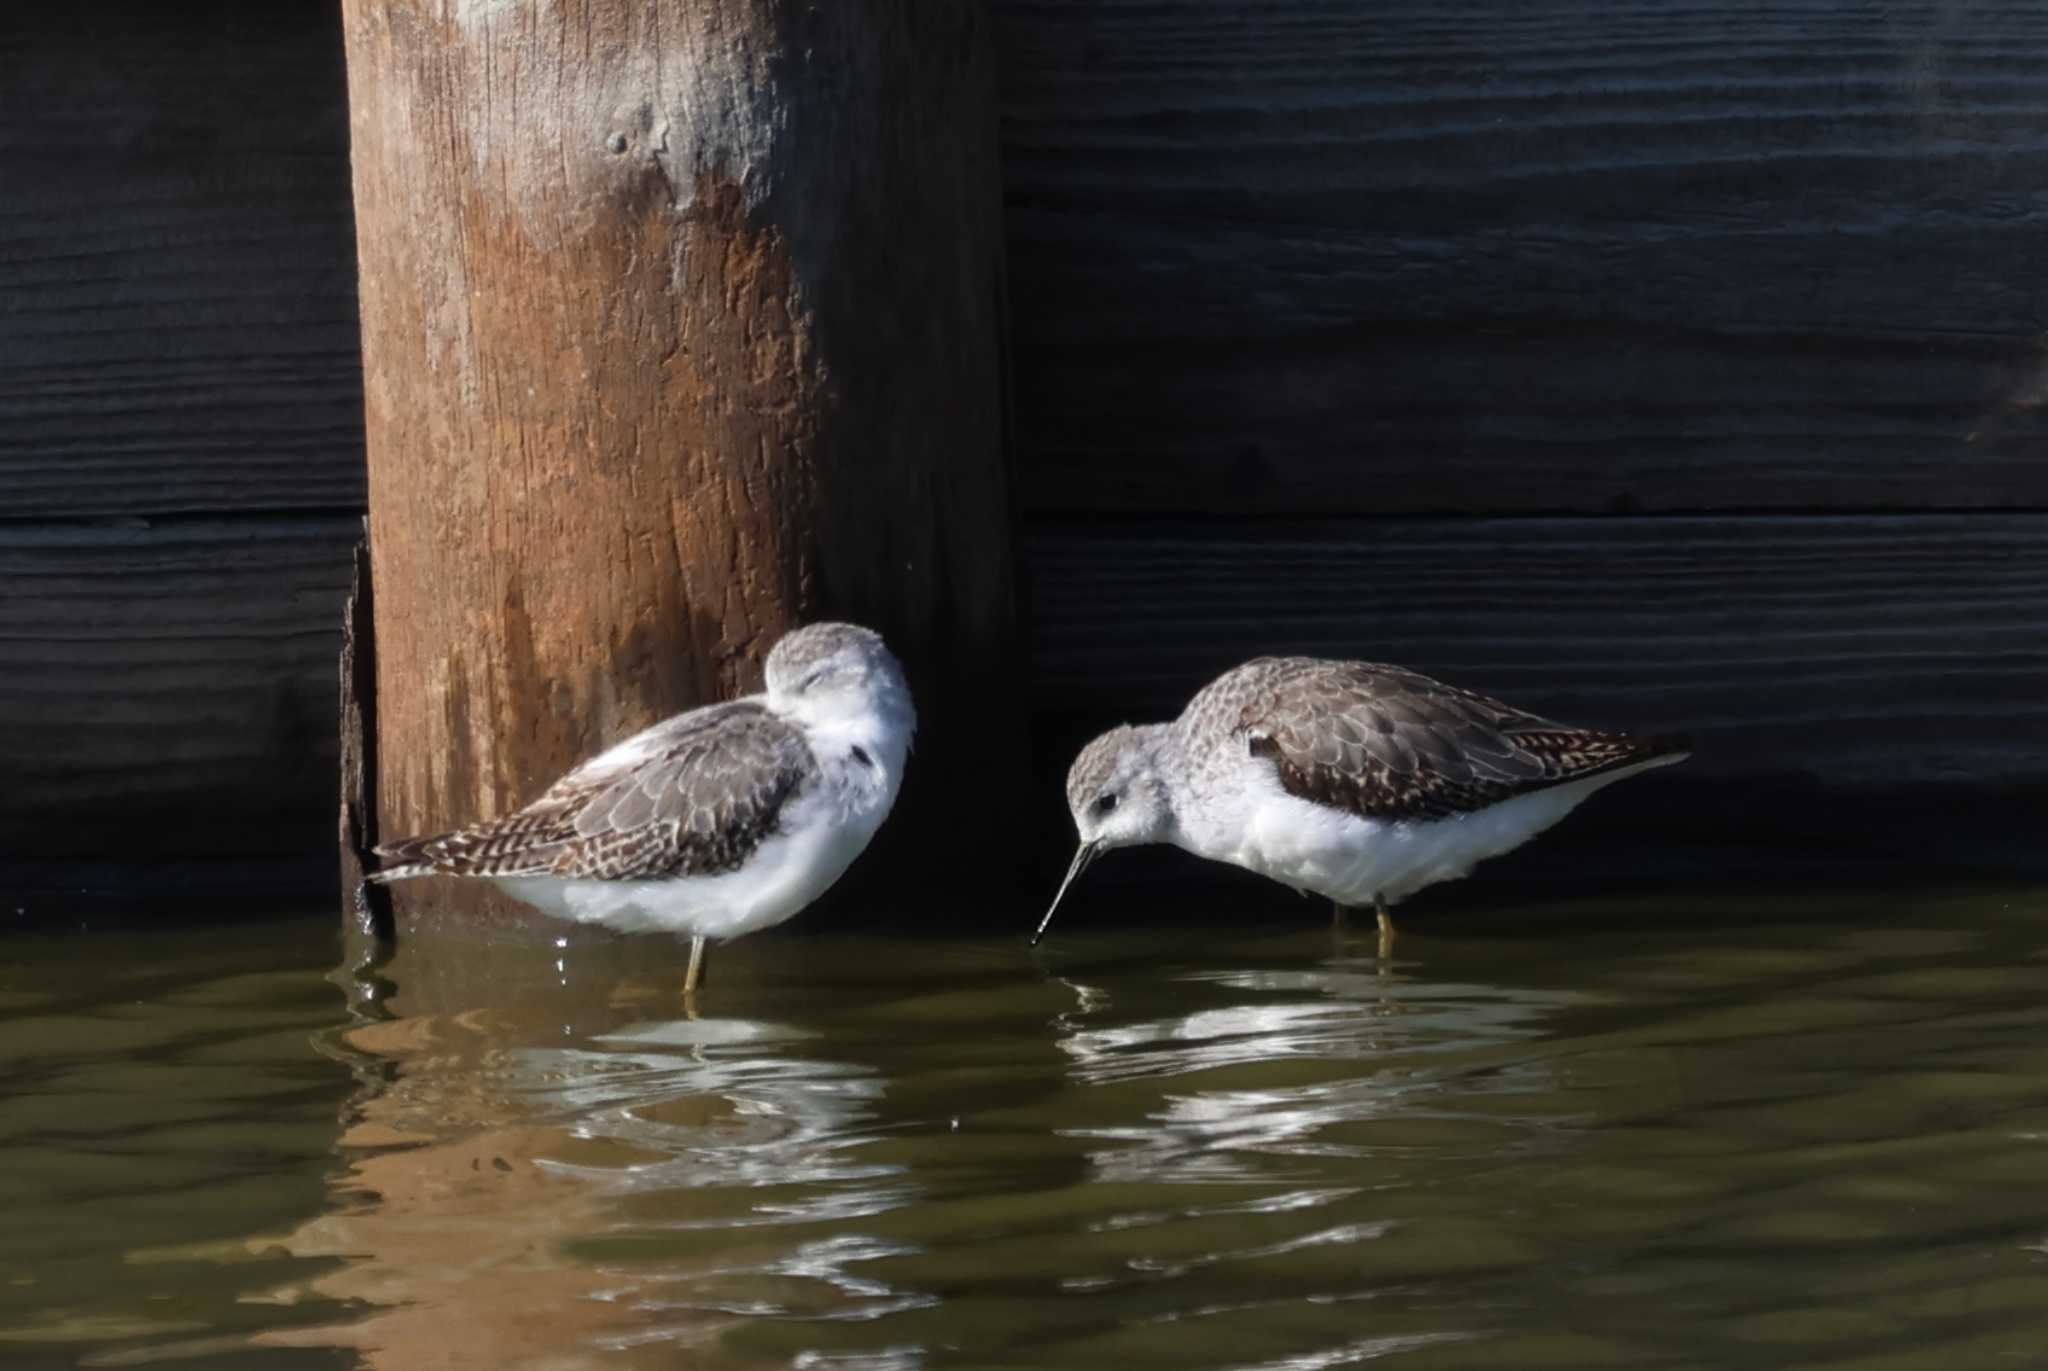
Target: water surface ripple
(1803,1133)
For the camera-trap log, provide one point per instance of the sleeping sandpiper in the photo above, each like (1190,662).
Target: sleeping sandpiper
(716,822)
(1358,782)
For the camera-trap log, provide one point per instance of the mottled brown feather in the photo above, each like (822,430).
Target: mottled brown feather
(707,789)
(1386,743)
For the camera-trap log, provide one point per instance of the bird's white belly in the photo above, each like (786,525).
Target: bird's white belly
(817,841)
(1356,861)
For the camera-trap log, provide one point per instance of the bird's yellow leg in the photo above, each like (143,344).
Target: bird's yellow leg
(1387,930)
(694,977)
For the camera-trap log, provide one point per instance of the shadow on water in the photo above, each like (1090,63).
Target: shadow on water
(1592,1135)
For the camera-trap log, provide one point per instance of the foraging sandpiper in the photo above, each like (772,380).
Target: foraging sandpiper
(1355,781)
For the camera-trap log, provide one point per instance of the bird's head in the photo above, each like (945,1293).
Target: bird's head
(829,673)
(1118,798)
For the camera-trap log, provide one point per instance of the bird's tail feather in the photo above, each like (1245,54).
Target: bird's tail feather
(407,857)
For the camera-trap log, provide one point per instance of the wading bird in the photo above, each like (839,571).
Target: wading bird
(1358,782)
(714,823)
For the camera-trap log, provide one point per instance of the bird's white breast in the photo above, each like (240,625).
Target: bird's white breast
(1356,860)
(817,836)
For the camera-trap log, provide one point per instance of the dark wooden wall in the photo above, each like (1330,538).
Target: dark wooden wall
(1656,363)
(1671,364)
(180,439)
(1369,258)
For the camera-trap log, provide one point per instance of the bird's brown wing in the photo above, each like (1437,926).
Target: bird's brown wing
(1386,743)
(694,795)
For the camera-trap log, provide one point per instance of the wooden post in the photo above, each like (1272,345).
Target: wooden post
(681,326)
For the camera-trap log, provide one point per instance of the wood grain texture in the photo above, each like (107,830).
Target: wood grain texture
(178,324)
(1342,256)
(1869,684)
(169,692)
(681,327)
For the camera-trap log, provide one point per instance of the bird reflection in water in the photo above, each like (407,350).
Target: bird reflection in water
(1331,1048)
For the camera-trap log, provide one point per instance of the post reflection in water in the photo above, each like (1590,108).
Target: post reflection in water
(518,1111)
(918,1145)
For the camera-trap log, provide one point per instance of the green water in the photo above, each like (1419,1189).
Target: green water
(1698,1132)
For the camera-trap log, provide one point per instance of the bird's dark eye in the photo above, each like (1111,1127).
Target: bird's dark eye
(1105,802)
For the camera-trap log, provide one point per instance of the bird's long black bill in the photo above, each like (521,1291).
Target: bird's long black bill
(1085,855)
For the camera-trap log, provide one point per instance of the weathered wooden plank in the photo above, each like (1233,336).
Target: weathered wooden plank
(1529,419)
(169,691)
(178,328)
(1872,684)
(1349,257)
